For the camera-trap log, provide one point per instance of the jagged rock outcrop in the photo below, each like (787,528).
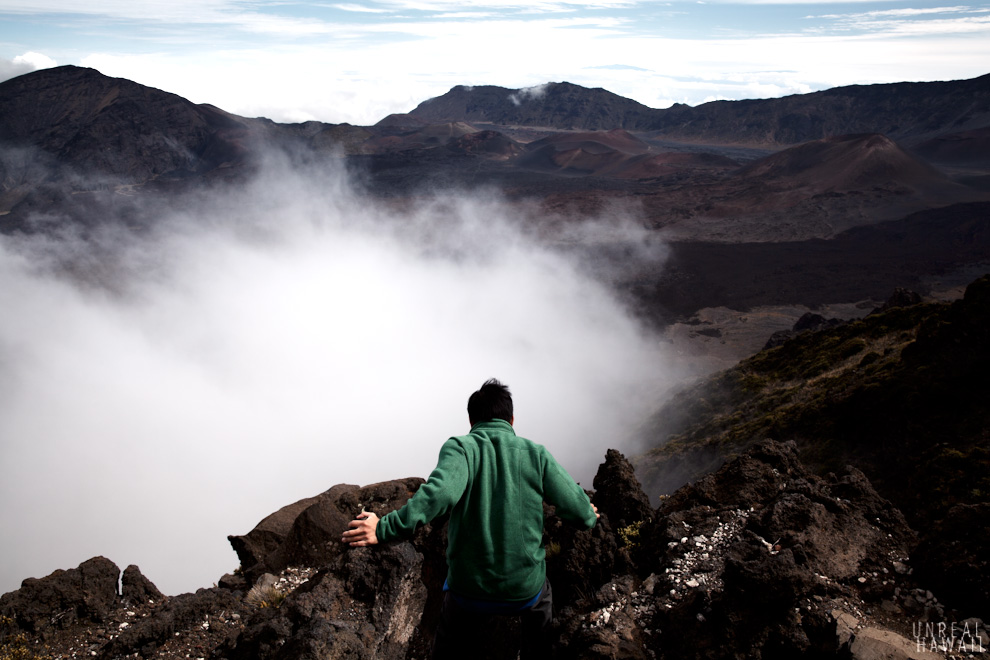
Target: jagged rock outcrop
(369,603)
(136,588)
(66,597)
(363,603)
(751,561)
(760,559)
(618,494)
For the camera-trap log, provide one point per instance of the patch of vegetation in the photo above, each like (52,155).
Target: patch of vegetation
(630,534)
(14,644)
(265,595)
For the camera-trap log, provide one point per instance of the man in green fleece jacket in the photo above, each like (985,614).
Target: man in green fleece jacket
(493,484)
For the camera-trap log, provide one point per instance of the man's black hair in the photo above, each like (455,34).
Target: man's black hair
(492,401)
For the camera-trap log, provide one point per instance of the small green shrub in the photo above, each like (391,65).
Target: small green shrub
(265,596)
(14,644)
(630,534)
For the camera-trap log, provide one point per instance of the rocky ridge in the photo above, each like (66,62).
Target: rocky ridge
(760,559)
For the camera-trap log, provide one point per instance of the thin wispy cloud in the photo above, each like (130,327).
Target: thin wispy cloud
(908,21)
(908,11)
(361,9)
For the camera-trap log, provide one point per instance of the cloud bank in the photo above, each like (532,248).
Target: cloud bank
(164,388)
(26,63)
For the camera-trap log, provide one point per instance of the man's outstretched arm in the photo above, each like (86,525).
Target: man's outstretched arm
(362,530)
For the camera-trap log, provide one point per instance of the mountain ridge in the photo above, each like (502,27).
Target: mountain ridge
(110,150)
(904,111)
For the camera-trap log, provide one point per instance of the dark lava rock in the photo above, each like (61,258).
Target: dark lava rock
(760,559)
(809,322)
(750,561)
(955,557)
(144,637)
(618,494)
(308,532)
(900,298)
(136,588)
(43,606)
(268,535)
(375,602)
(368,604)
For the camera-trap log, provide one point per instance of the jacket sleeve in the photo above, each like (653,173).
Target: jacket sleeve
(442,490)
(561,491)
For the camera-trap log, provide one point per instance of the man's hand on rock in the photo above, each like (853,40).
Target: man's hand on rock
(361,530)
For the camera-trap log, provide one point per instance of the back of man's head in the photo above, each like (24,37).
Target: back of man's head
(492,401)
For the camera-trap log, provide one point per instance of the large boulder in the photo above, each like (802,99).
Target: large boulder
(268,535)
(374,602)
(307,533)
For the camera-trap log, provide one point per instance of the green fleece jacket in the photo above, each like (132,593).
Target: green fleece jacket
(493,483)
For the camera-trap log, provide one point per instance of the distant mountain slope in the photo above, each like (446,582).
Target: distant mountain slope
(846,162)
(906,112)
(115,126)
(964,147)
(79,145)
(813,190)
(558,105)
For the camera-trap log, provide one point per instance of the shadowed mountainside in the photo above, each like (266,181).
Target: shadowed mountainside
(900,394)
(908,112)
(112,126)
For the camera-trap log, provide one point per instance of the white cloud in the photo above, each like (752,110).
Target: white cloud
(533,93)
(360,9)
(917,21)
(905,11)
(273,342)
(25,63)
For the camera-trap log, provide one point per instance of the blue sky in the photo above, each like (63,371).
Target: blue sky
(359,60)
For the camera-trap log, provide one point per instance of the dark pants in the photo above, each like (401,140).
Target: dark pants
(461,631)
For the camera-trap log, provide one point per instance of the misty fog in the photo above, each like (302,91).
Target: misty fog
(161,389)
